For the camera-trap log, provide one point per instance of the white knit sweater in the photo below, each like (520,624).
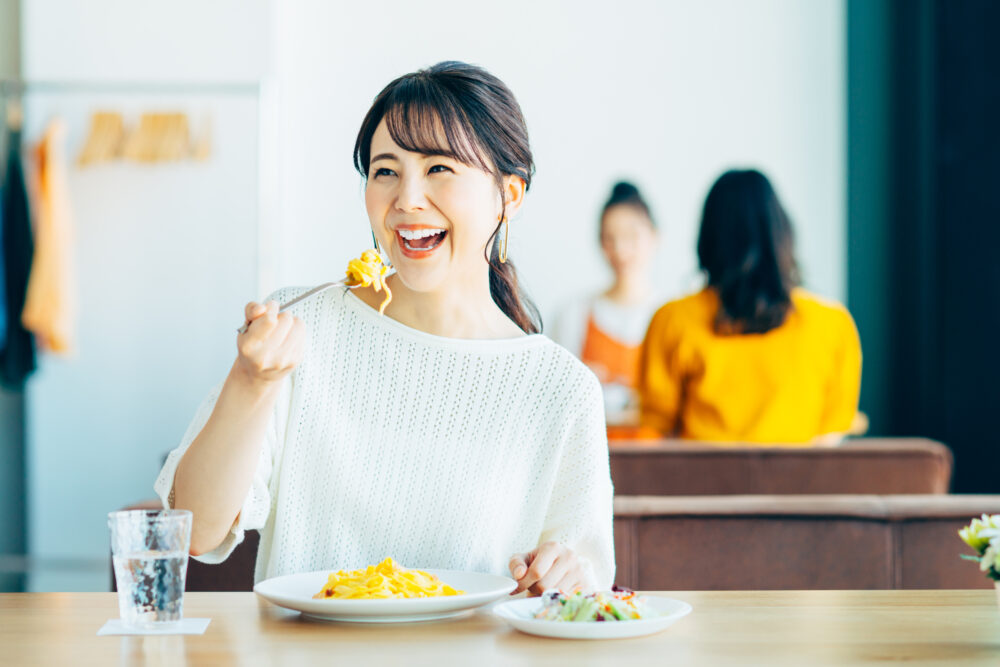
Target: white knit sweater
(440,452)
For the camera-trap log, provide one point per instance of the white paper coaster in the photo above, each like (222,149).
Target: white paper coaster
(187,626)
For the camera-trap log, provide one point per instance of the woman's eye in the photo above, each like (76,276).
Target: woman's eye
(438,168)
(383,172)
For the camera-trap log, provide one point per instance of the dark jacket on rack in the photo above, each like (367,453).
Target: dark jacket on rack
(17,354)
(3,275)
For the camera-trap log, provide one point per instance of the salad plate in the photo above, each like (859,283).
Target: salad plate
(295,591)
(661,613)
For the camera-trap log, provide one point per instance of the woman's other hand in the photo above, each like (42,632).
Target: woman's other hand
(272,345)
(550,565)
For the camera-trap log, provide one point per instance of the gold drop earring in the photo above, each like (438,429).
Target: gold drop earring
(503,244)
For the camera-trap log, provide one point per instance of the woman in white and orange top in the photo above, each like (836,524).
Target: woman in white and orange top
(606,330)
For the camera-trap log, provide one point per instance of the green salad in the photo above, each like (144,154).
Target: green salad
(618,604)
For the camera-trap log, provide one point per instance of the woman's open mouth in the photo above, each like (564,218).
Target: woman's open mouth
(420,242)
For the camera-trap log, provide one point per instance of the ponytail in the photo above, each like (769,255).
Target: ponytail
(506,292)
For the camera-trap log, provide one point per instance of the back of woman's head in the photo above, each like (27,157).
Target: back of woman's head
(482,125)
(746,249)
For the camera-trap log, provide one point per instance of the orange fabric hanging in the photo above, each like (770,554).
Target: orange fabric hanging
(48,309)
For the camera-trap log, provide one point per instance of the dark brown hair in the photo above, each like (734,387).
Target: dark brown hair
(483,126)
(745,246)
(626,194)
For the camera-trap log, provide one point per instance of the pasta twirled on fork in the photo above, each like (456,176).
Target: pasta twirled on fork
(367,271)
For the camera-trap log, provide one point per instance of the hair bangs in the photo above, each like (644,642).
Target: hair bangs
(424,118)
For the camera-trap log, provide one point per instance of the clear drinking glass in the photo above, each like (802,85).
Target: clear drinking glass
(150,553)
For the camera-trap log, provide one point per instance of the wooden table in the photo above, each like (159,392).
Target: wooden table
(725,628)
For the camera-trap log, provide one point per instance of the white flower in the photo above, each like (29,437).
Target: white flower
(979,533)
(991,557)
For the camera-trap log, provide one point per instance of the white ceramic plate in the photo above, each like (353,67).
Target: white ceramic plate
(520,614)
(295,591)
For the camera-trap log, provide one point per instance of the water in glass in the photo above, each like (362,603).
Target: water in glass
(152,586)
(150,554)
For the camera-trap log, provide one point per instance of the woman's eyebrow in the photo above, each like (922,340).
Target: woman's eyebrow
(384,156)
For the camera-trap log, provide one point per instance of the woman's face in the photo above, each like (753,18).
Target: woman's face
(627,238)
(432,215)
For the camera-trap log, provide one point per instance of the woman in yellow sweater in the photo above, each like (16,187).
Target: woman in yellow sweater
(752,357)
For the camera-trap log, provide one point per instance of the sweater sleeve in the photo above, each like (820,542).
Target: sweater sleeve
(581,511)
(660,377)
(257,505)
(845,384)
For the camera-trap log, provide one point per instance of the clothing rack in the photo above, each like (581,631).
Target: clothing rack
(17,87)
(11,90)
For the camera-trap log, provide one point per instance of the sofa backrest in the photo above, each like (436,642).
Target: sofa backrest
(868,466)
(796,542)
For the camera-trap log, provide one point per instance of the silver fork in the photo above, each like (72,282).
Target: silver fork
(302,297)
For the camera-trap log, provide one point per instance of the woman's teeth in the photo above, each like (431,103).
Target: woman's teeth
(411,234)
(421,240)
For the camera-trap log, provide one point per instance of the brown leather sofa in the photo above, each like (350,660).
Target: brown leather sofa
(796,542)
(869,465)
(776,538)
(758,543)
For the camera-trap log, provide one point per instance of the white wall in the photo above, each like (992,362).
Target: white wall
(124,40)
(166,255)
(668,94)
(10,43)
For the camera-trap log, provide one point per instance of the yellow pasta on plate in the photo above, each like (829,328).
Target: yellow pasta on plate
(385,580)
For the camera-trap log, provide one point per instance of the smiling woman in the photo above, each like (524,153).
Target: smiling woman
(486,449)
(447,161)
